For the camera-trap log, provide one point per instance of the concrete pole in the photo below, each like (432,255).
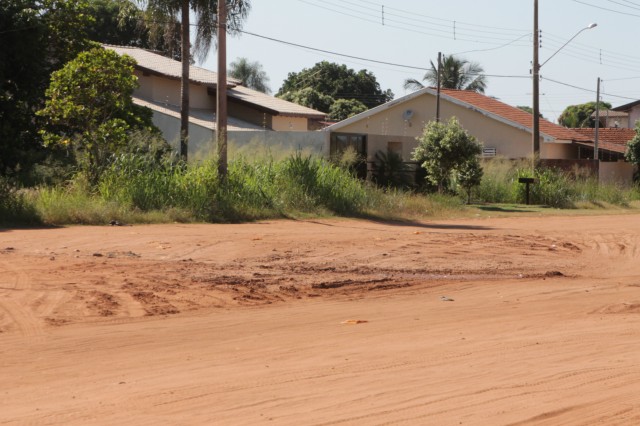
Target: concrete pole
(439,83)
(184,81)
(221,90)
(536,87)
(595,144)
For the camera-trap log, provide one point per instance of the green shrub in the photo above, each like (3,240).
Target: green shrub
(14,208)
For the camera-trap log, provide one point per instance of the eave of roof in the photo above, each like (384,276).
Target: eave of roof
(160,65)
(202,118)
(609,139)
(626,107)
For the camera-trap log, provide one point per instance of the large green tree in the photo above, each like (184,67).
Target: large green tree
(336,82)
(445,148)
(205,12)
(580,115)
(36,38)
(124,23)
(455,73)
(90,109)
(251,74)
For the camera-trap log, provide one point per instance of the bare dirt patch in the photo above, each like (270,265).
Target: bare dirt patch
(492,321)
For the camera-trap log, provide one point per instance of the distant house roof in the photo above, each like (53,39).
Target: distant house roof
(483,104)
(167,67)
(610,139)
(611,113)
(157,64)
(275,105)
(627,107)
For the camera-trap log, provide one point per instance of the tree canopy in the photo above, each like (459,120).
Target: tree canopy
(445,148)
(455,73)
(580,115)
(37,37)
(90,108)
(123,23)
(528,109)
(334,81)
(251,74)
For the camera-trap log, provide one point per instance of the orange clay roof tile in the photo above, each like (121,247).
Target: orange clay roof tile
(512,114)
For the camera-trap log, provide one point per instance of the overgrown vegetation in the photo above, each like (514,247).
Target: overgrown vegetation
(554,188)
(137,188)
(14,209)
(445,149)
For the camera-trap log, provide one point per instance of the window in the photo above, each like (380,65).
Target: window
(395,148)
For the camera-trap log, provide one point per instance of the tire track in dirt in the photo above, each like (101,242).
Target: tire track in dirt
(12,297)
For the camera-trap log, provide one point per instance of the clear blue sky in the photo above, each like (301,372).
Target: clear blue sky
(415,30)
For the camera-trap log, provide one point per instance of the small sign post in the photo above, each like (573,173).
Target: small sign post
(527,181)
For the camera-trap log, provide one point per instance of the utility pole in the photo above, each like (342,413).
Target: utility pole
(438,89)
(536,87)
(184,82)
(221,90)
(595,144)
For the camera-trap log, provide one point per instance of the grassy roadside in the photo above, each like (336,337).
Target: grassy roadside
(135,189)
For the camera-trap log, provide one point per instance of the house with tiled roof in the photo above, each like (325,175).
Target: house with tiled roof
(633,111)
(502,129)
(612,118)
(250,112)
(612,145)
(612,142)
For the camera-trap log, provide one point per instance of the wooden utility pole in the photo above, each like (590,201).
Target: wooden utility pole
(536,87)
(595,143)
(221,90)
(438,89)
(184,82)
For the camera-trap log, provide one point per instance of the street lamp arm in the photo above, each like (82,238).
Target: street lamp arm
(590,26)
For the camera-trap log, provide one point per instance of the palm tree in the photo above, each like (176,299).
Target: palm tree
(205,12)
(454,74)
(251,74)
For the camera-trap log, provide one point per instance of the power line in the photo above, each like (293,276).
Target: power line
(413,13)
(587,90)
(607,9)
(623,5)
(373,17)
(332,53)
(369,60)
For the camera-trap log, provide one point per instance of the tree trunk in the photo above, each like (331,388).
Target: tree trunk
(184,89)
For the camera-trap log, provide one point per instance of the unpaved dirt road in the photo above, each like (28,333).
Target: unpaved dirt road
(478,322)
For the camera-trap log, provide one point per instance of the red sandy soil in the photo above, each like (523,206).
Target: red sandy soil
(321,322)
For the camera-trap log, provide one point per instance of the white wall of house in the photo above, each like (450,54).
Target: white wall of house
(634,115)
(289,124)
(558,150)
(251,144)
(277,145)
(389,125)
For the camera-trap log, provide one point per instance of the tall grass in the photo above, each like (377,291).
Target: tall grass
(135,188)
(252,190)
(554,188)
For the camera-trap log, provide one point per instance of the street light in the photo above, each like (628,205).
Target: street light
(536,79)
(588,27)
